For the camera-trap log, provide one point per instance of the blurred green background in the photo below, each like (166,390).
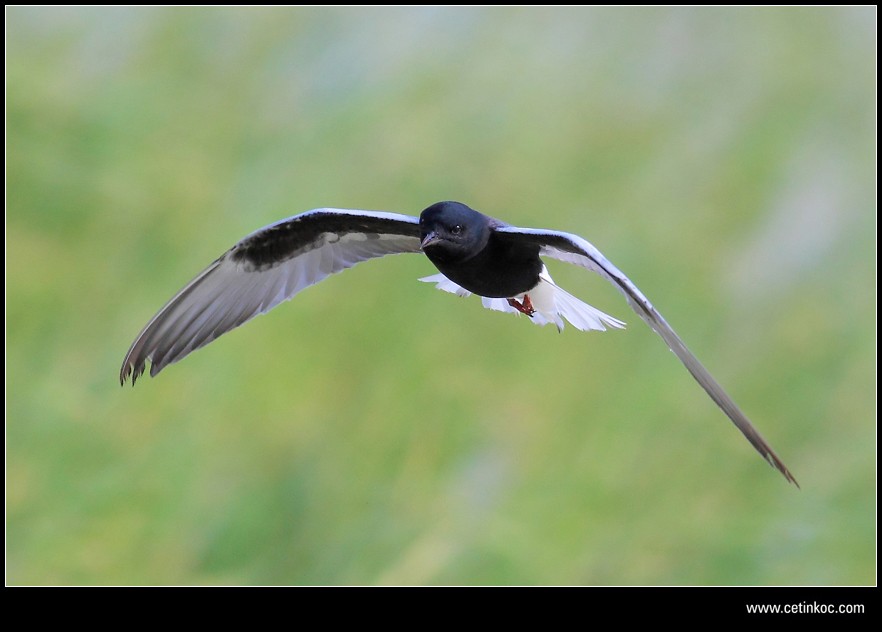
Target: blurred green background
(375,430)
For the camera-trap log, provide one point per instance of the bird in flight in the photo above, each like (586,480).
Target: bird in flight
(474,254)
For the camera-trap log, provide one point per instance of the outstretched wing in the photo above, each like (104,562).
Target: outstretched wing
(573,249)
(265,268)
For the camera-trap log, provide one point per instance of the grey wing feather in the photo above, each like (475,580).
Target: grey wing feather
(264,269)
(573,249)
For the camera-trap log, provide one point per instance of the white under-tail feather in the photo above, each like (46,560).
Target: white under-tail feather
(551,303)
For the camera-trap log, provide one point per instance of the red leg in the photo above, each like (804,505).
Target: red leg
(525,308)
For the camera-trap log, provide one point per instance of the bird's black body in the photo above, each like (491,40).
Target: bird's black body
(470,253)
(474,253)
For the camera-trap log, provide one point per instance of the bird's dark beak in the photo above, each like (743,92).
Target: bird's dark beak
(429,239)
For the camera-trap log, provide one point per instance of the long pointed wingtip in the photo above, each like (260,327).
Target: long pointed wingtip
(775,462)
(127,371)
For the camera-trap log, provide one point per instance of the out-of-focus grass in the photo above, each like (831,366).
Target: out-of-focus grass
(375,430)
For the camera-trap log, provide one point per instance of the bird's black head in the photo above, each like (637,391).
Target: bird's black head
(451,231)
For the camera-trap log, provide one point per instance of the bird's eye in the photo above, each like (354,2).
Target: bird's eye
(456,230)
